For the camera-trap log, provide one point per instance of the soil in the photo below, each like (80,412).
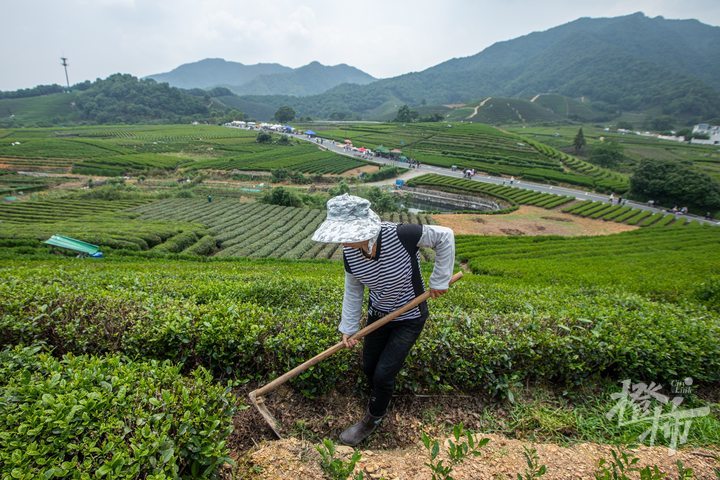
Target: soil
(357,171)
(395,451)
(501,458)
(528,220)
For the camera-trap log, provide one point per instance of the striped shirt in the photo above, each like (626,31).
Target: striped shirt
(393,274)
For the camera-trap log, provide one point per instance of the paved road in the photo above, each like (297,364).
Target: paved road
(537,187)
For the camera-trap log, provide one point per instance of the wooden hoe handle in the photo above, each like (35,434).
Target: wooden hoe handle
(340,345)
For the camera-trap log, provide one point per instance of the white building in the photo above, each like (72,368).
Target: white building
(712,131)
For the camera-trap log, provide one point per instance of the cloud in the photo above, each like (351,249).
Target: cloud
(142,37)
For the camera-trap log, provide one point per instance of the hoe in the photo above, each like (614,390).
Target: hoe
(257,396)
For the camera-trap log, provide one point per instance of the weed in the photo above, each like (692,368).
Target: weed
(684,473)
(463,446)
(625,463)
(336,468)
(534,469)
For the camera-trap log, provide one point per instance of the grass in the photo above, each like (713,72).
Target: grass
(543,413)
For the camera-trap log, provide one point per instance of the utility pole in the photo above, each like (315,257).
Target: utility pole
(65,65)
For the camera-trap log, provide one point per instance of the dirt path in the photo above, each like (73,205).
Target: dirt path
(478,107)
(528,220)
(501,458)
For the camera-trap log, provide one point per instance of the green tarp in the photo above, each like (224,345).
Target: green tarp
(73,244)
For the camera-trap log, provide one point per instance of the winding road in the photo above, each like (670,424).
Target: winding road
(537,187)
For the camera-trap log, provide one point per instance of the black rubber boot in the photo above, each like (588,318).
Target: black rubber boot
(358,432)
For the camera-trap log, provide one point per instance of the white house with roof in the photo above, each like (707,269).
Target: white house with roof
(712,132)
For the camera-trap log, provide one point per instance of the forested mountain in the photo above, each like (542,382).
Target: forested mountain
(214,72)
(120,98)
(263,78)
(310,79)
(629,63)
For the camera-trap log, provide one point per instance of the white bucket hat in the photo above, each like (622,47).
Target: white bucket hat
(349,220)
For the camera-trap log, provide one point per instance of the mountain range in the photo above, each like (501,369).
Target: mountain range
(262,78)
(591,69)
(628,63)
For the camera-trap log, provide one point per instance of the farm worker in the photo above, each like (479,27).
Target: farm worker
(385,258)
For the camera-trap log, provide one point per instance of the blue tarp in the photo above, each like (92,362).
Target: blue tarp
(75,245)
(310,132)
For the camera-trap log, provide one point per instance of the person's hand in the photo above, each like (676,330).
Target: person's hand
(349,342)
(437,293)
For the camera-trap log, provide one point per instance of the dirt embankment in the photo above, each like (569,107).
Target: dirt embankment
(529,220)
(501,458)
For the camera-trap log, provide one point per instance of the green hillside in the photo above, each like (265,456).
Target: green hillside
(570,108)
(120,98)
(43,110)
(496,111)
(629,63)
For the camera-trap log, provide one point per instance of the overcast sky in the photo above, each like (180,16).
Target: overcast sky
(382,37)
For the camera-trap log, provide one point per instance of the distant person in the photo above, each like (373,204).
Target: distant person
(612,198)
(209,198)
(512,180)
(385,258)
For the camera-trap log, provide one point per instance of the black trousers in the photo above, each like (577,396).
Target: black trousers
(384,353)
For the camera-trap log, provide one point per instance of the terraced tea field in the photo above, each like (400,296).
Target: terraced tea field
(587,208)
(705,158)
(512,195)
(257,230)
(116,151)
(482,147)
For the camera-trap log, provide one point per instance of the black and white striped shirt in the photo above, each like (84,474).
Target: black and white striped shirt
(393,274)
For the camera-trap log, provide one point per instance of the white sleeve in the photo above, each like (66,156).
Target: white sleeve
(352,305)
(442,240)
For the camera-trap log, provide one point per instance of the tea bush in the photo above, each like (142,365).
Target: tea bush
(108,417)
(236,319)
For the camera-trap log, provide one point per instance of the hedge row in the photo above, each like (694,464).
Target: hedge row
(235,321)
(95,417)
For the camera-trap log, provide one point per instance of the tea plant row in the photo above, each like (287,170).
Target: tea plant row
(512,195)
(481,147)
(623,214)
(142,149)
(603,179)
(105,416)
(224,316)
(52,210)
(671,262)
(256,229)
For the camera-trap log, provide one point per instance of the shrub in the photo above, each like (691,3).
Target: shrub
(263,137)
(109,417)
(283,197)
